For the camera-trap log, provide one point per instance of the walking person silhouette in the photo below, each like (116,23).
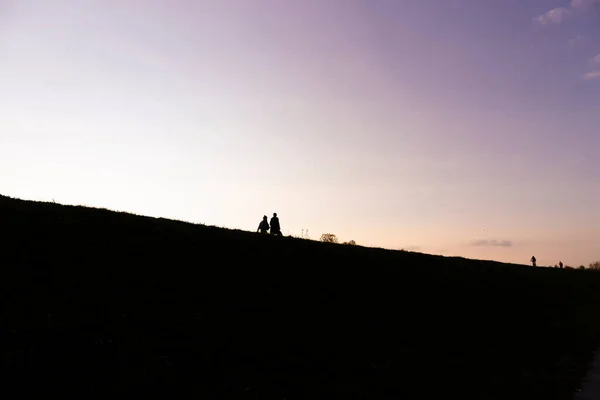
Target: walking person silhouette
(275,227)
(263,227)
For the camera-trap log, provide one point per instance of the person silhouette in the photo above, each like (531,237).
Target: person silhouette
(533,260)
(560,264)
(263,227)
(275,227)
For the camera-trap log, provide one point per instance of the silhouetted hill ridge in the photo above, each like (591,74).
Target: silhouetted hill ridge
(107,302)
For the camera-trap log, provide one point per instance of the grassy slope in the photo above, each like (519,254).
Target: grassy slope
(117,302)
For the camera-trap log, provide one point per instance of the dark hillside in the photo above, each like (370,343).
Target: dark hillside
(95,301)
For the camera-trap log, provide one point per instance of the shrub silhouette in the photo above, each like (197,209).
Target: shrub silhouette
(350,243)
(329,238)
(595,266)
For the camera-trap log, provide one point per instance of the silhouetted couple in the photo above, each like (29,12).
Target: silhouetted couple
(274,226)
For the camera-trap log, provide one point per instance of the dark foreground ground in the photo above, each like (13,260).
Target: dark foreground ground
(97,302)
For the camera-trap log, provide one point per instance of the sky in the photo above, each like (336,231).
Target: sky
(456,127)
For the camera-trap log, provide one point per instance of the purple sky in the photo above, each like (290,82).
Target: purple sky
(455,127)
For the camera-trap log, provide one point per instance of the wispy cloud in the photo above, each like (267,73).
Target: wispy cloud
(580,10)
(592,75)
(559,15)
(492,243)
(554,16)
(584,4)
(594,69)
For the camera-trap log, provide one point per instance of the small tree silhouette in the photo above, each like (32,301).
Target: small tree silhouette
(595,266)
(329,238)
(350,243)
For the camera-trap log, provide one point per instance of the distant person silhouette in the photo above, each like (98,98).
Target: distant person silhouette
(533,260)
(560,264)
(275,227)
(263,227)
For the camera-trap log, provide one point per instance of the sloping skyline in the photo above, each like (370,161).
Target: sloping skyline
(455,127)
